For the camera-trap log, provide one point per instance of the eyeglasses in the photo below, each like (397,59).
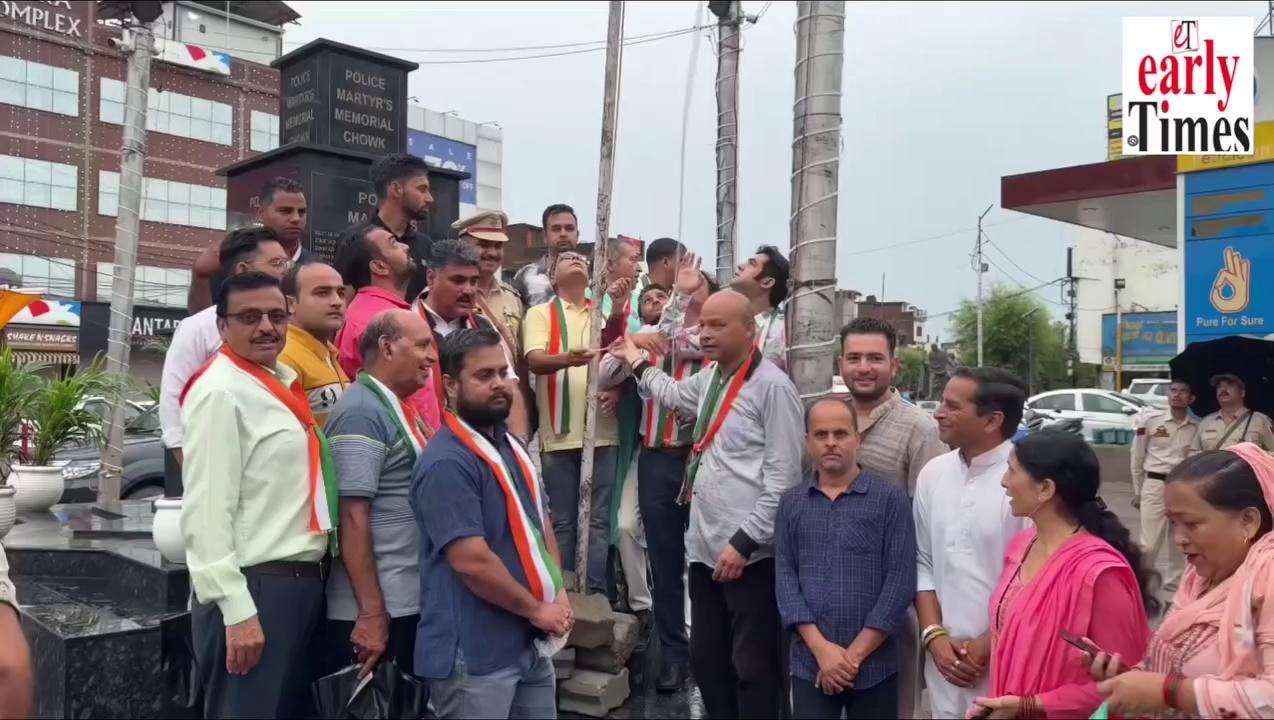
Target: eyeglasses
(251,318)
(571,256)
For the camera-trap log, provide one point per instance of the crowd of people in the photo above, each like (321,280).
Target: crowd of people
(382,463)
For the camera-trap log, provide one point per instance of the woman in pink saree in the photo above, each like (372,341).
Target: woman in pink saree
(1077,571)
(1213,656)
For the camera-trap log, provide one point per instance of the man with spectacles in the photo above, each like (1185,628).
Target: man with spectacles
(259,505)
(254,249)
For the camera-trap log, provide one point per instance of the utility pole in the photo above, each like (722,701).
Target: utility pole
(981,270)
(1119,317)
(605,181)
(1029,318)
(729,23)
(132,158)
(811,311)
(1072,352)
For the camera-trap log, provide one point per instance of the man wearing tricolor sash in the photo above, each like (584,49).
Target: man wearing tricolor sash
(746,451)
(373,596)
(259,505)
(493,606)
(557,351)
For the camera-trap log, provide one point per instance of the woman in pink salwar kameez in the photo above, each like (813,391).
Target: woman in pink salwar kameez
(1213,656)
(1076,571)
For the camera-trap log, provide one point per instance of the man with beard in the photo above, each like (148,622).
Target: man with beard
(557,351)
(1233,422)
(490,579)
(373,596)
(963,526)
(258,507)
(746,454)
(449,304)
(197,338)
(314,293)
(282,209)
(403,199)
(561,234)
(377,267)
(897,440)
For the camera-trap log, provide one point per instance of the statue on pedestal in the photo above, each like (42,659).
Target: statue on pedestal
(939,371)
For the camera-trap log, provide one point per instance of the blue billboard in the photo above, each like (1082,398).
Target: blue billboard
(440,152)
(1150,339)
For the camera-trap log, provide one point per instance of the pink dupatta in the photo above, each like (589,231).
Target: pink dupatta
(1030,657)
(1241,684)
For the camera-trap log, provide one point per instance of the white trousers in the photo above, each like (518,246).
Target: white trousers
(632,543)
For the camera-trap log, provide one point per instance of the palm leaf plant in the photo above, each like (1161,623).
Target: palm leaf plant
(58,415)
(19,384)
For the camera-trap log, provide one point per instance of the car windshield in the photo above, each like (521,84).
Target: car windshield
(145,422)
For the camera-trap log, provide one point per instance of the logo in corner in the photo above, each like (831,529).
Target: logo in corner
(1186,86)
(1232,288)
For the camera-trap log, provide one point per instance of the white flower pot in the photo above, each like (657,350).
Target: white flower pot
(39,486)
(8,509)
(166,530)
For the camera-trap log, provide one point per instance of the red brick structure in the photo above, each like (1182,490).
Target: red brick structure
(907,319)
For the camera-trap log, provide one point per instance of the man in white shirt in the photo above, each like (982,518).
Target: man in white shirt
(197,339)
(963,525)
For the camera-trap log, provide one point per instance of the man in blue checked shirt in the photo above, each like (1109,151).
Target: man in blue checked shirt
(845,544)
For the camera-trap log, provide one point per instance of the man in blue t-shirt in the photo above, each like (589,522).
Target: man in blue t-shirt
(494,602)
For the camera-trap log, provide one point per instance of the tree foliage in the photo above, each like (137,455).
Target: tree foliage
(1010,316)
(912,373)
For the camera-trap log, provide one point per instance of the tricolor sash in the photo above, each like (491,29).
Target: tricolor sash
(544,579)
(659,425)
(322,469)
(406,417)
(712,414)
(559,383)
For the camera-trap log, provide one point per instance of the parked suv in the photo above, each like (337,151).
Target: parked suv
(1152,391)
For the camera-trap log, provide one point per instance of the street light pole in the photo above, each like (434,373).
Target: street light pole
(1029,319)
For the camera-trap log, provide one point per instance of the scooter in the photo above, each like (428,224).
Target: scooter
(1035,420)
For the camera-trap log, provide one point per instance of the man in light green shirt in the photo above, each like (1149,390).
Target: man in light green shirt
(255,563)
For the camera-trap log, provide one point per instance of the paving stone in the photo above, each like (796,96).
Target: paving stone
(613,657)
(564,663)
(594,621)
(593,693)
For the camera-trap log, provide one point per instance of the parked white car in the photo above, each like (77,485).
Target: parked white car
(1152,391)
(1099,409)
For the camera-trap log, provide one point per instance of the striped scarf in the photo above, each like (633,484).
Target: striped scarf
(543,577)
(660,428)
(406,417)
(559,383)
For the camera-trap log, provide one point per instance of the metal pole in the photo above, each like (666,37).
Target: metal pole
(811,310)
(1030,361)
(132,158)
(981,269)
(1072,353)
(728,26)
(605,180)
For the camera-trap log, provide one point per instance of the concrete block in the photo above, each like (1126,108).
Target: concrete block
(564,663)
(613,657)
(568,580)
(593,693)
(594,621)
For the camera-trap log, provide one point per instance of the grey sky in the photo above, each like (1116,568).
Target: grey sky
(941,100)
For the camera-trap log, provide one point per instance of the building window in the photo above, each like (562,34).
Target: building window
(55,275)
(37,183)
(157,285)
(167,201)
(265,131)
(39,87)
(173,113)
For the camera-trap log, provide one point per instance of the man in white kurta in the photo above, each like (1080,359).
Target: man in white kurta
(963,525)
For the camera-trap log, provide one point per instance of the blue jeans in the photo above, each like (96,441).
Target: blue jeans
(561,469)
(526,689)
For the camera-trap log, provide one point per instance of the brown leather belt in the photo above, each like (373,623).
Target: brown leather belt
(290,568)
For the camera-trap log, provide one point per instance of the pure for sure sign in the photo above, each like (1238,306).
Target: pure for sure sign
(1188,86)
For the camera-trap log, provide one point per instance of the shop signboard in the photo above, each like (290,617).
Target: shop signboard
(1150,339)
(441,152)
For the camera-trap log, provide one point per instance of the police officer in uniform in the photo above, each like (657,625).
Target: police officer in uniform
(1164,438)
(1234,422)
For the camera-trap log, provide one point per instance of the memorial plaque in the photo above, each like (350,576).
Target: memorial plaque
(336,203)
(343,97)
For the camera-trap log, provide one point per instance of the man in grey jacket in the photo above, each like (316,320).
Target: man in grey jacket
(746,453)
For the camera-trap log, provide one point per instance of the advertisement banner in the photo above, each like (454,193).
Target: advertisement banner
(1150,340)
(1223,276)
(1114,126)
(440,152)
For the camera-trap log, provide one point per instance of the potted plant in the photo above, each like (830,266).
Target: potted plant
(57,416)
(18,384)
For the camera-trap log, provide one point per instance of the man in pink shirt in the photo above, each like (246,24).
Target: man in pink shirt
(379,267)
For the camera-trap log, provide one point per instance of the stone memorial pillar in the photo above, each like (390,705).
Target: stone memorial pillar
(340,109)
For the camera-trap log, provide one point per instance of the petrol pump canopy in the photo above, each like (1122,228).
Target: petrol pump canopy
(1132,197)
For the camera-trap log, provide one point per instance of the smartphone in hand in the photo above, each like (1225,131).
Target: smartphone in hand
(1079,643)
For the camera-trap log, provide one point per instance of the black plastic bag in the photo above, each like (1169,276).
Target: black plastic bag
(386,694)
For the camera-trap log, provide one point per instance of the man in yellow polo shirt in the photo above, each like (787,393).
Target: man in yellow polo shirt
(314,292)
(557,350)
